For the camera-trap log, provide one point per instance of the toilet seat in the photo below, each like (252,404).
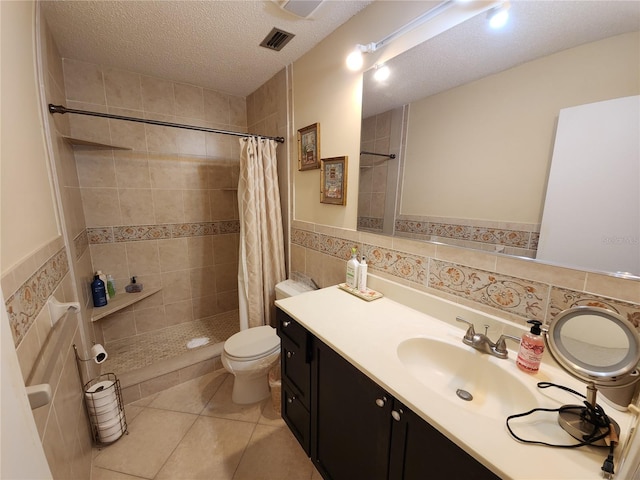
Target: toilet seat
(252,344)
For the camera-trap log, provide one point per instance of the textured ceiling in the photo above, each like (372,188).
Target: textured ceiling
(213,44)
(472,50)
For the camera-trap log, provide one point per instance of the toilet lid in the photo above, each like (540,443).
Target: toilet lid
(254,342)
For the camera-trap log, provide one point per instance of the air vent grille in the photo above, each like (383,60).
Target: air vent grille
(276,39)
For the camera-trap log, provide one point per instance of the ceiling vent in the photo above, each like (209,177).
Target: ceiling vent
(276,39)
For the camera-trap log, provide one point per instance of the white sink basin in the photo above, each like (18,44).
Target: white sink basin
(450,371)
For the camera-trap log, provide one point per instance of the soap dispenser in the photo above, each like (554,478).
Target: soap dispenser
(531,348)
(133,287)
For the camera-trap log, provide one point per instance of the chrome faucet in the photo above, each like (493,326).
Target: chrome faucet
(481,342)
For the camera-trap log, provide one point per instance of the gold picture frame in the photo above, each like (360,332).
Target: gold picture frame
(309,147)
(333,180)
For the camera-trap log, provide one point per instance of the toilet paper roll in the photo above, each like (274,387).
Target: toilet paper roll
(98,353)
(101,397)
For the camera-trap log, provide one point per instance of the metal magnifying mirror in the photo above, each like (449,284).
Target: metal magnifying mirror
(597,346)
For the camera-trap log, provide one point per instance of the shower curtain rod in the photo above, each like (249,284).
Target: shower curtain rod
(390,155)
(62,109)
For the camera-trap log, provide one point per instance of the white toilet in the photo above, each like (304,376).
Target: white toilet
(251,353)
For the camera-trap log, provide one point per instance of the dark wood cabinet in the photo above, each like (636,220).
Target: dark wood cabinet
(351,418)
(350,427)
(419,451)
(295,363)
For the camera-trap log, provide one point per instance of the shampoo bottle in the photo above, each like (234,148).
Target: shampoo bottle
(352,269)
(362,276)
(99,292)
(531,348)
(103,277)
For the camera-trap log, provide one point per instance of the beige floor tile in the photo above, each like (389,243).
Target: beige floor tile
(191,396)
(269,416)
(273,454)
(153,435)
(104,474)
(221,405)
(132,411)
(211,450)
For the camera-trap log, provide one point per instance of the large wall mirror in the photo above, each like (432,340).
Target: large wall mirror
(471,117)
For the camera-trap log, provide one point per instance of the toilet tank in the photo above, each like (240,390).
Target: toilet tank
(290,288)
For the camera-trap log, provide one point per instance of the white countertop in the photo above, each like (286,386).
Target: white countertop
(367,334)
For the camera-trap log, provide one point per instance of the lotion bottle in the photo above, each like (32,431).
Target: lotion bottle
(362,276)
(352,270)
(531,348)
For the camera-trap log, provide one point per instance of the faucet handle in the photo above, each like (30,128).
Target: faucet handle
(501,344)
(470,331)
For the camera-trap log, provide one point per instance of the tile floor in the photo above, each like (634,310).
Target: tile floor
(139,351)
(193,431)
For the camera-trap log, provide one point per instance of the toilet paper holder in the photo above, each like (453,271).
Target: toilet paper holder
(98,354)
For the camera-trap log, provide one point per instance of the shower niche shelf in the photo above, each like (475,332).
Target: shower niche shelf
(120,301)
(79,142)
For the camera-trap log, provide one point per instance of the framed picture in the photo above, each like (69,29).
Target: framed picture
(309,147)
(333,180)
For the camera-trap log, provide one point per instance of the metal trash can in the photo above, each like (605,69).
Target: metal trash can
(275,384)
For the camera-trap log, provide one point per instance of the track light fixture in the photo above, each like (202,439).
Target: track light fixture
(355,60)
(499,16)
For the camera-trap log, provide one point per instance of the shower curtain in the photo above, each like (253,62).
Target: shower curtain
(261,259)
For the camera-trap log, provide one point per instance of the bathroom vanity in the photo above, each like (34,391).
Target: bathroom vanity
(364,399)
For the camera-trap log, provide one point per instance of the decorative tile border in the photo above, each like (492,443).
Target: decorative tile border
(516,296)
(562,298)
(25,304)
(81,243)
(524,298)
(135,233)
(488,235)
(400,264)
(304,238)
(521,297)
(370,223)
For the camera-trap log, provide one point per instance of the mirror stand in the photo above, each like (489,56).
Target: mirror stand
(583,423)
(599,347)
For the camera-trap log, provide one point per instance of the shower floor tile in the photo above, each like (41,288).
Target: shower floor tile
(133,353)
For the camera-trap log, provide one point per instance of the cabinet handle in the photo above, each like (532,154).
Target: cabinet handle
(396,414)
(381,401)
(290,354)
(291,399)
(286,323)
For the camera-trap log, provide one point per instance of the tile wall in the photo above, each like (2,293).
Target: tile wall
(164,209)
(503,286)
(46,353)
(375,137)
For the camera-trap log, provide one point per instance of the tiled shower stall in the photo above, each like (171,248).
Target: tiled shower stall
(159,204)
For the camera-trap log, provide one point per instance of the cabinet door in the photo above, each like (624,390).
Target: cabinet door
(351,419)
(296,416)
(296,369)
(419,451)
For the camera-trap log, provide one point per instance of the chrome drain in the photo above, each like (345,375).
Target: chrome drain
(464,395)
